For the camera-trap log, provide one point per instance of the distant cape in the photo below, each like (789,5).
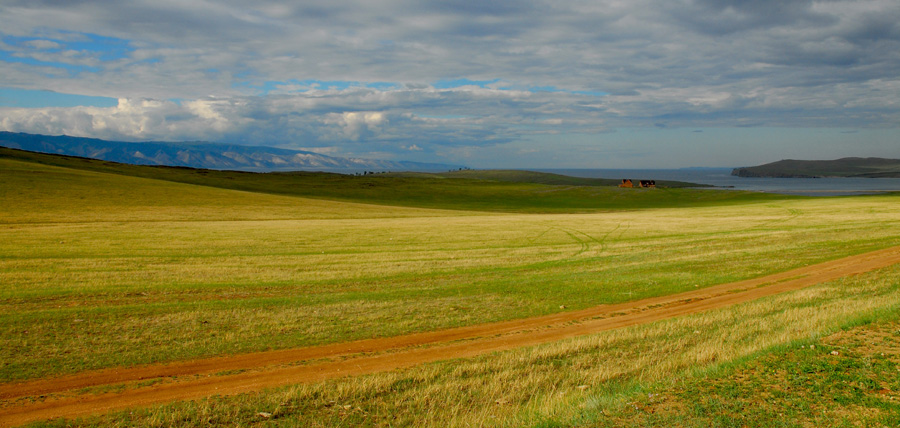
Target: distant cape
(844,167)
(206,155)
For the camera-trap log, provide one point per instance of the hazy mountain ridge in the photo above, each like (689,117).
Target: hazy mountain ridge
(204,155)
(844,167)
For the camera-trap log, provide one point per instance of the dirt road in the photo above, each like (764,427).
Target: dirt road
(197,379)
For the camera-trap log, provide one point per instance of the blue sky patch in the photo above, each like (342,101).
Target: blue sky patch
(301,86)
(556,89)
(456,83)
(442,116)
(591,93)
(88,46)
(73,69)
(108,48)
(27,98)
(304,85)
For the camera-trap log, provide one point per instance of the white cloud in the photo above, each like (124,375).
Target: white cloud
(43,44)
(355,125)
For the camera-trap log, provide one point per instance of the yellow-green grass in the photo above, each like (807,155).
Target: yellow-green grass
(850,378)
(596,380)
(103,270)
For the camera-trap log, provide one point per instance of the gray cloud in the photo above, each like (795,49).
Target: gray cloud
(721,17)
(235,68)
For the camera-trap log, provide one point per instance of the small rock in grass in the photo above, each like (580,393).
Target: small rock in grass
(266,415)
(562,306)
(835,353)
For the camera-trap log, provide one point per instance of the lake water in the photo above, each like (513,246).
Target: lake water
(721,177)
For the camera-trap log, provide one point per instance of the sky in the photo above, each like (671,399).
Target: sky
(487,84)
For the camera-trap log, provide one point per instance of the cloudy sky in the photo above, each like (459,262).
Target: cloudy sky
(587,84)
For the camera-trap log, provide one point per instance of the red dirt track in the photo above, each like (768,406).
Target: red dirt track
(261,370)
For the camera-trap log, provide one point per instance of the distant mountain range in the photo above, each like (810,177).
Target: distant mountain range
(845,167)
(206,155)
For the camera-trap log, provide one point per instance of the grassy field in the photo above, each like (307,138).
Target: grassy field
(749,365)
(103,270)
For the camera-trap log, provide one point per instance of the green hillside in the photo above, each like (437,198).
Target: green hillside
(522,176)
(845,167)
(506,191)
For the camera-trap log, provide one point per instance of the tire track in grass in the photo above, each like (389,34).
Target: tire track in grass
(189,380)
(791,215)
(602,241)
(585,246)
(585,239)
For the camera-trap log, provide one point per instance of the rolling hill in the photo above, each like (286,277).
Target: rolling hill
(844,167)
(496,191)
